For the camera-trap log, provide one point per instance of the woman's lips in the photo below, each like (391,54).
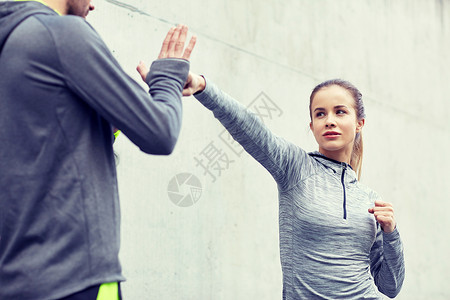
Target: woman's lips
(331,134)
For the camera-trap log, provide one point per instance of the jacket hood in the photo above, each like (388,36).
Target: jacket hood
(13,13)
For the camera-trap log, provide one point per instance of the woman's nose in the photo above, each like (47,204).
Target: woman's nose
(330,122)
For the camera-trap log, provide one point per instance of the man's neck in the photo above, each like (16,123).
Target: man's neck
(59,6)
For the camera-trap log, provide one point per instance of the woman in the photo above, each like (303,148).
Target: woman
(338,239)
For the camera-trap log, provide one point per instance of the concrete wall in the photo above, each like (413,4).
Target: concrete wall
(224,245)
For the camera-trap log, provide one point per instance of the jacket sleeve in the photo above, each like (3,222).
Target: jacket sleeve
(151,120)
(273,152)
(387,262)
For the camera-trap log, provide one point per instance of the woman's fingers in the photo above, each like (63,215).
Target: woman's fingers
(194,83)
(384,214)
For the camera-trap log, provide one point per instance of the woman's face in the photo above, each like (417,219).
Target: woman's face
(334,122)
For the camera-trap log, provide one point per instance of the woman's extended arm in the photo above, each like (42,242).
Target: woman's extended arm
(271,151)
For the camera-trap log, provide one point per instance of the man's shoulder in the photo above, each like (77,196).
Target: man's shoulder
(64,23)
(58,28)
(70,32)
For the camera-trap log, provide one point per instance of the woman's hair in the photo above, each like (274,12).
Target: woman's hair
(357,153)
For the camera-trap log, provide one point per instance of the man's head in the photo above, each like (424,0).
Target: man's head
(79,8)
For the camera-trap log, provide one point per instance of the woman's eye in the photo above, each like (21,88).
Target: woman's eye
(319,114)
(341,112)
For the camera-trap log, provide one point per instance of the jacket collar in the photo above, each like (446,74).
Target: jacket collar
(334,165)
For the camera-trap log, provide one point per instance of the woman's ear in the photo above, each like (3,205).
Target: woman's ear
(310,126)
(360,125)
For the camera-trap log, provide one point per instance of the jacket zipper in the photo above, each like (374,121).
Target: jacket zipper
(344,168)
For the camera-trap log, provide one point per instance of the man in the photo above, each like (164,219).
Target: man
(60,92)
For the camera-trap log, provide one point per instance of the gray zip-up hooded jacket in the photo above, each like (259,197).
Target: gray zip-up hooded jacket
(330,245)
(60,92)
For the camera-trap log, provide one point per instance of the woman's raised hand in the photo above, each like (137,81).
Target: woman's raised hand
(194,83)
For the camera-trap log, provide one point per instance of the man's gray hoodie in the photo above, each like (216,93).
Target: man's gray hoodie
(61,90)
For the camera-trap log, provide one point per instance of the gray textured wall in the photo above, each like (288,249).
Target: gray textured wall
(225,245)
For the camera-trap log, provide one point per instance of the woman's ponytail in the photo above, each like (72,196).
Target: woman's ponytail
(357,154)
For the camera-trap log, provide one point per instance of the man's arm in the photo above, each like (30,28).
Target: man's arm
(151,121)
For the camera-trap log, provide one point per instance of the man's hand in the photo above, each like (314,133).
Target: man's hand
(172,47)
(384,214)
(173,44)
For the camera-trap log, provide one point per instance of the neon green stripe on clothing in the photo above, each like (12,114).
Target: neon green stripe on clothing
(42,2)
(108,291)
(116,134)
